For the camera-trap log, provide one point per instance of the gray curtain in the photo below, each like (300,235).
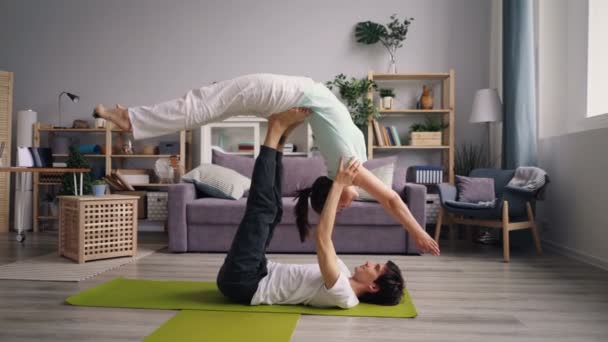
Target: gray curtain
(519,91)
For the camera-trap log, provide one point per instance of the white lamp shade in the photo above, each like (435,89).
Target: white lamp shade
(486,106)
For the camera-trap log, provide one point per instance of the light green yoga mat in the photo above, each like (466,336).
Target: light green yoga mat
(188,295)
(190,325)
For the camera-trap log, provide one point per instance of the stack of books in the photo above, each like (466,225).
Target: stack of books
(385,135)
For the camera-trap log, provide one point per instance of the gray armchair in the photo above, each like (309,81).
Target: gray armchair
(513,210)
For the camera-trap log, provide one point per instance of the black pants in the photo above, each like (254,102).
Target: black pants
(245,263)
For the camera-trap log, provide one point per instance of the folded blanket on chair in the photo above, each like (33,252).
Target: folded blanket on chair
(529,178)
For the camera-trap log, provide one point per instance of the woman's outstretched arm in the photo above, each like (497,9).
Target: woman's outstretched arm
(392,203)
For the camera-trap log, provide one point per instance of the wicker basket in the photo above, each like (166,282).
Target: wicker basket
(425,138)
(432,208)
(157,206)
(92,228)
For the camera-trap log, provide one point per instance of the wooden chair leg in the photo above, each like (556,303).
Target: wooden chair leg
(451,230)
(438,225)
(534,228)
(505,231)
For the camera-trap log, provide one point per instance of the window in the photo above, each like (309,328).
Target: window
(597,68)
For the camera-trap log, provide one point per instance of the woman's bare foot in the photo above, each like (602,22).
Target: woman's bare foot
(119,116)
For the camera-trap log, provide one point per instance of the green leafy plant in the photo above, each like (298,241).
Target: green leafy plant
(354,93)
(386,92)
(430,125)
(470,156)
(76,160)
(390,36)
(98,182)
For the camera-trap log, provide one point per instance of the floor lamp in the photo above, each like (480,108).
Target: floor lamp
(487,108)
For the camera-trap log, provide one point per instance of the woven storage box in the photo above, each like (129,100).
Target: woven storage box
(157,206)
(92,228)
(432,207)
(425,138)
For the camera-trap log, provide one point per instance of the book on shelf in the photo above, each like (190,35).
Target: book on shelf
(426,174)
(389,134)
(377,135)
(396,136)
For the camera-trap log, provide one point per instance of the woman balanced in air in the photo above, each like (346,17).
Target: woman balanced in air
(264,95)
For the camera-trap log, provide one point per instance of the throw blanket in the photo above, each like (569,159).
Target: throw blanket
(529,178)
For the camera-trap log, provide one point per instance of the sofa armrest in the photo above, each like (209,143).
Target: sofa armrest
(179,196)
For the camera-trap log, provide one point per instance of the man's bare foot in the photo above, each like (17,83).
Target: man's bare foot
(282,121)
(119,116)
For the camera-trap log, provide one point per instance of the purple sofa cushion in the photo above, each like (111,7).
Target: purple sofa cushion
(398,174)
(475,189)
(221,211)
(299,173)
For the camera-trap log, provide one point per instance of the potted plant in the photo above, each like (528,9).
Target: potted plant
(75,160)
(354,93)
(427,133)
(391,36)
(387,94)
(99,187)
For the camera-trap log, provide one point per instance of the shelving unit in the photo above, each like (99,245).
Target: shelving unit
(185,160)
(302,136)
(446,110)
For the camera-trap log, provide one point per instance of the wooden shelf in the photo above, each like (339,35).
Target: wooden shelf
(445,101)
(296,154)
(413,77)
(111,161)
(410,147)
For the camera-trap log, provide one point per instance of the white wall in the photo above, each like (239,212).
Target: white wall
(572,147)
(144,51)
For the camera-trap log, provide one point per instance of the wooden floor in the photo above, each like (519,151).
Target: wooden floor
(466,294)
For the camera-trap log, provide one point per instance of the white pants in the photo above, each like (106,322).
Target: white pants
(258,94)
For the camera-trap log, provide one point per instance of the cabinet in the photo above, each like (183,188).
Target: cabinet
(231,132)
(6,113)
(443,108)
(105,137)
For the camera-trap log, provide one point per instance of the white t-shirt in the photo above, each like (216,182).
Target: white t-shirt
(303,284)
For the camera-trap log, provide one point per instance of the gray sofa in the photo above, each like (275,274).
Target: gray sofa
(209,224)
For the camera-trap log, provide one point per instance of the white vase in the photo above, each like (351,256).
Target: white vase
(387,102)
(100,123)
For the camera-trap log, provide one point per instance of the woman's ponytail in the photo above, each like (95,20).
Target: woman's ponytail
(301,213)
(318,194)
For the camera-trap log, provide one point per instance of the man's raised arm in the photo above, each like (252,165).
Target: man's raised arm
(326,253)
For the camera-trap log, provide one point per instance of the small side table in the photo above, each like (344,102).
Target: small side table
(97,227)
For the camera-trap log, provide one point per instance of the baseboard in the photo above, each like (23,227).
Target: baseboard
(574,254)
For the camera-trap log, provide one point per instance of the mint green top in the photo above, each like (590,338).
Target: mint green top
(335,133)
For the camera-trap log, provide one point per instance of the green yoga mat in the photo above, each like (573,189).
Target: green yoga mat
(190,325)
(189,295)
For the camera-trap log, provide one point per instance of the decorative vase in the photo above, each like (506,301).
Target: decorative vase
(99,189)
(426,100)
(387,102)
(392,63)
(100,123)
